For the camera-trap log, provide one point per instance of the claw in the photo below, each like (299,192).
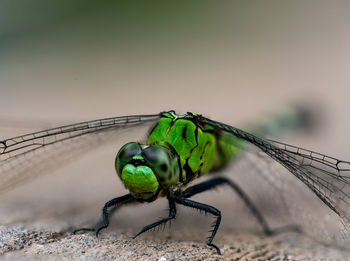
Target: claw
(138,234)
(216,248)
(99,229)
(82,229)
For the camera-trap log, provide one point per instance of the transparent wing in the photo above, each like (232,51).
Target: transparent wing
(327,177)
(22,157)
(283,200)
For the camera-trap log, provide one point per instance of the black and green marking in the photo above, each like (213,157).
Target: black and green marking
(179,149)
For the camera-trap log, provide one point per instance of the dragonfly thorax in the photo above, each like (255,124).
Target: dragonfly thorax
(147,170)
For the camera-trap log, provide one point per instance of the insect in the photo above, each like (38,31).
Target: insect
(181,148)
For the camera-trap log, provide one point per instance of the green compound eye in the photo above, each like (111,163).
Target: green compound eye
(157,157)
(125,154)
(163,163)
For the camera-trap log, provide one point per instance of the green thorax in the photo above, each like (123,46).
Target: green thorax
(200,147)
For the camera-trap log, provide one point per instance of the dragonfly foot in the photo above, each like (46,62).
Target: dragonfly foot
(99,229)
(216,248)
(75,231)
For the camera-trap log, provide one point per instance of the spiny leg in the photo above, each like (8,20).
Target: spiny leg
(212,183)
(112,211)
(205,208)
(114,202)
(219,181)
(172,214)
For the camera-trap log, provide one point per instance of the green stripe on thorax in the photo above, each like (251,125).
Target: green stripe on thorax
(196,145)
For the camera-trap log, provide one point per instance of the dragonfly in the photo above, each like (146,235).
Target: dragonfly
(179,150)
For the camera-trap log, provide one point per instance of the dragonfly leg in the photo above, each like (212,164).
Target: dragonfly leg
(219,181)
(112,211)
(172,214)
(205,208)
(114,202)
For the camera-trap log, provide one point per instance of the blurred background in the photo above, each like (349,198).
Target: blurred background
(65,61)
(68,61)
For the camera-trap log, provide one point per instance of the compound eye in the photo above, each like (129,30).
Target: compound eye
(156,154)
(158,158)
(125,154)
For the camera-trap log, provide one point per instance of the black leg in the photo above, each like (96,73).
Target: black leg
(212,183)
(113,210)
(205,208)
(172,213)
(114,202)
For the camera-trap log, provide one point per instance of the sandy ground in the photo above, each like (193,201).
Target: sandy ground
(27,243)
(53,242)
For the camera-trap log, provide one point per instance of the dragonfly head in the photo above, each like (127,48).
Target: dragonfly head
(146,169)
